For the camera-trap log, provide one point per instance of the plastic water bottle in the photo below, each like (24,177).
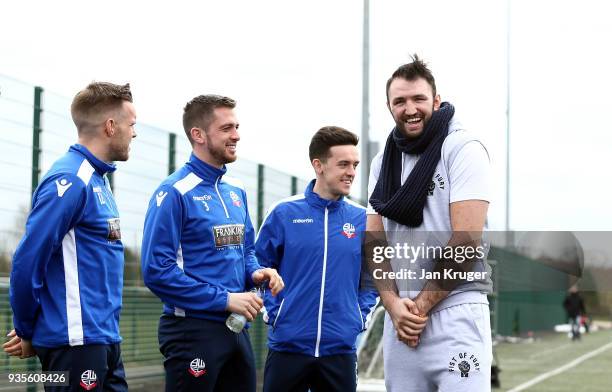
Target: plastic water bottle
(236,321)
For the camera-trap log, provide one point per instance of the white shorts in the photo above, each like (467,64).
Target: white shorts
(454,353)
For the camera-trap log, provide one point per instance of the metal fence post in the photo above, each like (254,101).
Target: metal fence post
(111,180)
(293,185)
(171,153)
(36,150)
(36,131)
(135,336)
(260,194)
(259,327)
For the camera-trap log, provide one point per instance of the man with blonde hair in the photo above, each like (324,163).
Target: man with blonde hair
(67,276)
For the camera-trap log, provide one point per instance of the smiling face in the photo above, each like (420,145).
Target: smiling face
(218,142)
(336,173)
(411,103)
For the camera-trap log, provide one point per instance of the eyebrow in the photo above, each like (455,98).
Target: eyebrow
(229,124)
(403,98)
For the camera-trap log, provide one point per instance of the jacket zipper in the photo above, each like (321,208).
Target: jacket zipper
(360,316)
(220,198)
(278,313)
(322,288)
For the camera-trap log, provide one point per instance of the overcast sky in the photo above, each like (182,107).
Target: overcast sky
(296,66)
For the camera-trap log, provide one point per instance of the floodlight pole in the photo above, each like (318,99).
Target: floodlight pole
(508,116)
(365,103)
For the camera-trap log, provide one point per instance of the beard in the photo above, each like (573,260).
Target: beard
(119,152)
(221,156)
(400,123)
(219,153)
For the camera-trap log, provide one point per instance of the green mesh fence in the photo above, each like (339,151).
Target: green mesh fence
(35,130)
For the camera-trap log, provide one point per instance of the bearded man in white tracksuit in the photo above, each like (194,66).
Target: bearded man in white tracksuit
(430,186)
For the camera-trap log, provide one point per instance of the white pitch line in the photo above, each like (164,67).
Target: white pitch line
(546,352)
(558,370)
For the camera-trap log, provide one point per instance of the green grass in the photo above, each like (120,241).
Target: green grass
(524,361)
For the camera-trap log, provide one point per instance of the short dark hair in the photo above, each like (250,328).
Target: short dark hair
(199,111)
(326,138)
(96,97)
(412,71)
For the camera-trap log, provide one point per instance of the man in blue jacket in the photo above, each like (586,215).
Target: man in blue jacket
(67,276)
(198,256)
(314,240)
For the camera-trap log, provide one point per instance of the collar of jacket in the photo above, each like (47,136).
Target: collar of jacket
(317,201)
(205,171)
(101,167)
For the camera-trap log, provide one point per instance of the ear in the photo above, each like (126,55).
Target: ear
(197,135)
(109,127)
(317,165)
(437,102)
(389,107)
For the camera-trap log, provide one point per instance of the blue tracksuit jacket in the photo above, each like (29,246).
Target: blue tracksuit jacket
(315,244)
(67,277)
(198,242)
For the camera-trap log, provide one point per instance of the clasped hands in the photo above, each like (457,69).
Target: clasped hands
(408,319)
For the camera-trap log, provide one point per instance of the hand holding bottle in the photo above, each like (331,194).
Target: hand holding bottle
(244,306)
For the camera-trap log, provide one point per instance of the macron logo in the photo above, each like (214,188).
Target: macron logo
(159,198)
(62,186)
(306,220)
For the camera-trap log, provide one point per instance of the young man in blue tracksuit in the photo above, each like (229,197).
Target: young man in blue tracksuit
(67,277)
(314,240)
(198,256)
